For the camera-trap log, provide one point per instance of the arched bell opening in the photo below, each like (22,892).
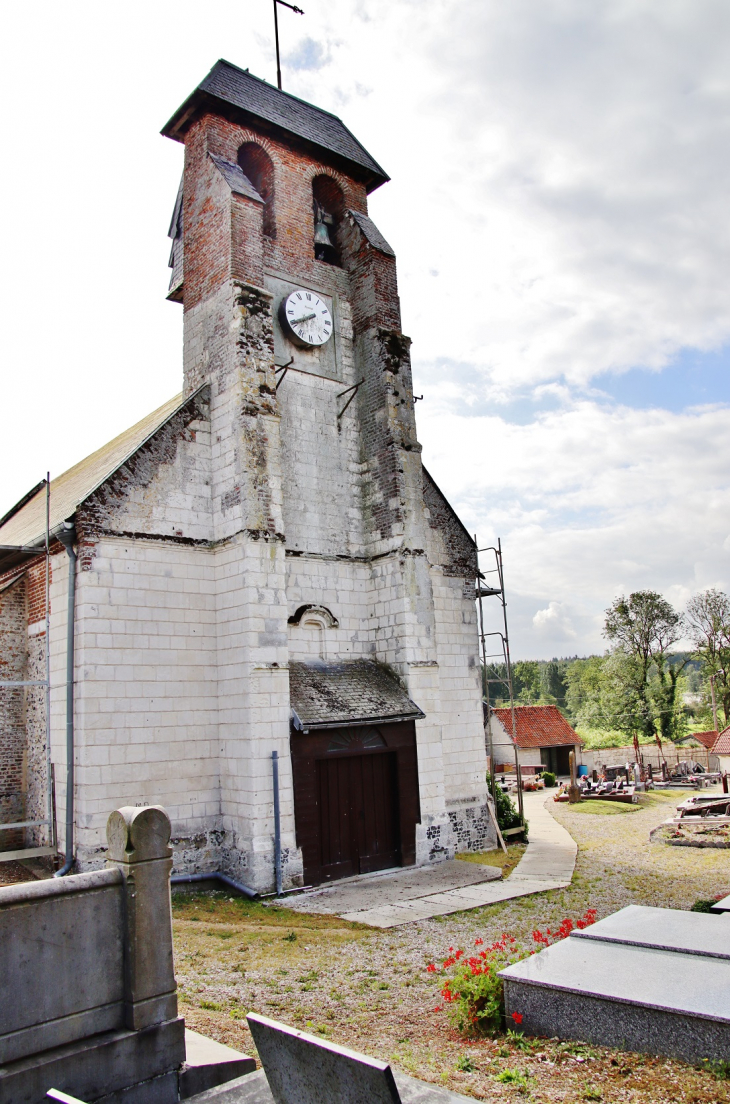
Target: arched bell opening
(328,207)
(258,167)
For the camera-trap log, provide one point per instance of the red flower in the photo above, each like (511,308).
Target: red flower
(479,942)
(431,968)
(517,1017)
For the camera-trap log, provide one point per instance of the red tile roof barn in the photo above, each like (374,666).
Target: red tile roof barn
(538,726)
(707,739)
(722,744)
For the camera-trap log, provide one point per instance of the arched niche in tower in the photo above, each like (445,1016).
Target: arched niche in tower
(328,205)
(258,167)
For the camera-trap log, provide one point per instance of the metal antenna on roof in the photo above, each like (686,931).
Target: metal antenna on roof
(293,8)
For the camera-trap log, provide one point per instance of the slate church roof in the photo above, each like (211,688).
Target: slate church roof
(25,524)
(538,726)
(256,99)
(324,695)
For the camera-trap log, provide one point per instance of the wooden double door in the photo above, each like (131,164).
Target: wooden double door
(358,814)
(356,799)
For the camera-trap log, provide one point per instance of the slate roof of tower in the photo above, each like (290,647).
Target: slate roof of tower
(722,744)
(538,726)
(257,99)
(27,525)
(351,692)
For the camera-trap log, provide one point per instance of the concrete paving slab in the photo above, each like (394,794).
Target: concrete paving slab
(388,887)
(390,899)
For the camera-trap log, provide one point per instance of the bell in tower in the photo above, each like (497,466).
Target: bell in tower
(324,248)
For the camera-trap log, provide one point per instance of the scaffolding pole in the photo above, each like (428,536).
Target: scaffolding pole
(484,591)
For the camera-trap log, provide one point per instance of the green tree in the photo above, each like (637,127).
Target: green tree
(584,678)
(708,615)
(606,692)
(526,681)
(642,628)
(552,682)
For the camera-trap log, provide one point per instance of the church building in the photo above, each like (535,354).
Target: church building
(263,564)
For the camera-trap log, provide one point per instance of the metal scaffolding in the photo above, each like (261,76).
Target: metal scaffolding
(485,591)
(12,556)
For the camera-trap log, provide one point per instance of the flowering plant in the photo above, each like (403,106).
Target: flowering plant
(473,994)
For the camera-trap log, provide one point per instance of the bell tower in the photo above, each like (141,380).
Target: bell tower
(319,500)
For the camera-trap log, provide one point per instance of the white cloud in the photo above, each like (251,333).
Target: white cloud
(554,622)
(558,207)
(590,502)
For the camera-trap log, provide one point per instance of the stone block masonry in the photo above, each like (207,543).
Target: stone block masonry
(288,478)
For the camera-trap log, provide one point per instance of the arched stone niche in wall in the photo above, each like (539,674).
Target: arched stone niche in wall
(308,632)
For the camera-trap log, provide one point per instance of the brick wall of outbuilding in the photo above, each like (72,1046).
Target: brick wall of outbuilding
(13,665)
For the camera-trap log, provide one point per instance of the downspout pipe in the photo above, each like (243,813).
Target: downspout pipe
(66,534)
(188,879)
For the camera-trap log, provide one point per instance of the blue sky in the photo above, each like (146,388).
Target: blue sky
(693,378)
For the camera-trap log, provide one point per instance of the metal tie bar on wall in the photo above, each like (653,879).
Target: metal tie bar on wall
(283,368)
(355,388)
(483,591)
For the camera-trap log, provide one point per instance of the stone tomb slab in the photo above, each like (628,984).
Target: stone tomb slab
(209,1063)
(664,930)
(626,994)
(304,1069)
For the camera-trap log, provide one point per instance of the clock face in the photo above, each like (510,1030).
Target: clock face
(305,319)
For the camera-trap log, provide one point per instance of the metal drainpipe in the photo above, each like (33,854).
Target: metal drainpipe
(277,824)
(67,535)
(185,879)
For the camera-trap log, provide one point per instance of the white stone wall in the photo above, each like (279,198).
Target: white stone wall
(321,485)
(146,691)
(344,588)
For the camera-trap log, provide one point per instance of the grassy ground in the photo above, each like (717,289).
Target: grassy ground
(370,989)
(596,807)
(506,863)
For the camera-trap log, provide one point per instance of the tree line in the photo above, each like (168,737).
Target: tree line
(642,688)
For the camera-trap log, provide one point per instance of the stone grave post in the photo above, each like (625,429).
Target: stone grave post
(139,846)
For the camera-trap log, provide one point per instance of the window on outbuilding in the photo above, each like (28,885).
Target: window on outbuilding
(258,167)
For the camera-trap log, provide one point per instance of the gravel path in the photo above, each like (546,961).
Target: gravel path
(370,989)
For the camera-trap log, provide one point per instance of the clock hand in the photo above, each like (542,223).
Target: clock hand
(304,318)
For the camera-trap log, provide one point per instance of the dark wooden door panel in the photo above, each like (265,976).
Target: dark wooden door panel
(338,858)
(375,791)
